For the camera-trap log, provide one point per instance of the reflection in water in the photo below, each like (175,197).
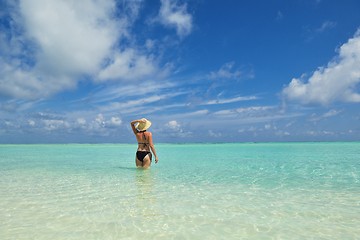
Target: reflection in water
(128,168)
(145,196)
(144,182)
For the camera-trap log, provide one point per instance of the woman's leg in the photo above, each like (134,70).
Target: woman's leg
(147,160)
(138,162)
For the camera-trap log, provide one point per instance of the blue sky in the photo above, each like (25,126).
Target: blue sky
(201,71)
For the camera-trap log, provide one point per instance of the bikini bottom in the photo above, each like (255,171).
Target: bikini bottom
(140,155)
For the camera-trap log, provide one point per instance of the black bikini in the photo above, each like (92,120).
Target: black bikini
(140,155)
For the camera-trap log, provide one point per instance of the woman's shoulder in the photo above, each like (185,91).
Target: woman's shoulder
(146,133)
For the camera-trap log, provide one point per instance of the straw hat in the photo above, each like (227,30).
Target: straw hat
(142,126)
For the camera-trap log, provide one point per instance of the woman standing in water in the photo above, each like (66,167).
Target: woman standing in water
(145,143)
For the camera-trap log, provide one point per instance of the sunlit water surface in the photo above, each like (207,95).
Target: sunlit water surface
(196,191)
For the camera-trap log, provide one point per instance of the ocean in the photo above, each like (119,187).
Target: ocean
(196,191)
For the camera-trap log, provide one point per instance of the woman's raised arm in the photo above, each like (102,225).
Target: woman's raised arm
(133,125)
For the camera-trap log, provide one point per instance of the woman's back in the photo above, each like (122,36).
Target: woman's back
(143,141)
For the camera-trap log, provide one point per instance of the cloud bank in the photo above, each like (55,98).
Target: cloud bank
(338,81)
(58,41)
(48,46)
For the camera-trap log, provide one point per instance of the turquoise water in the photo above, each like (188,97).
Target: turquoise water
(196,191)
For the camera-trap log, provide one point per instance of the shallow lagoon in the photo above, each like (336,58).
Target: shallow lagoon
(208,191)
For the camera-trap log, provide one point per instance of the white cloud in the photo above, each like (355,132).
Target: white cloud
(282,133)
(254,109)
(30,84)
(174,15)
(115,122)
(247,111)
(100,120)
(53,124)
(248,129)
(73,36)
(128,65)
(214,134)
(174,125)
(255,114)
(226,71)
(270,127)
(320,133)
(325,26)
(150,44)
(231,100)
(100,125)
(335,82)
(81,121)
(130,91)
(51,44)
(331,113)
(31,123)
(142,104)
(174,128)
(226,113)
(289,124)
(60,40)
(198,113)
(267,126)
(131,105)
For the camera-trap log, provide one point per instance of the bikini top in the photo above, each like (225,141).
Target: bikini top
(144,139)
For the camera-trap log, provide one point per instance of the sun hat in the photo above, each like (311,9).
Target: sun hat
(142,126)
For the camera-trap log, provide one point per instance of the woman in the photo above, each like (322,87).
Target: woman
(145,143)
